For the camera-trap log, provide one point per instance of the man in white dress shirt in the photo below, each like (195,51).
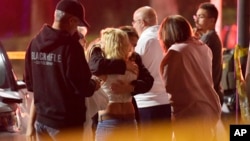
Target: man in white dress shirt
(154,106)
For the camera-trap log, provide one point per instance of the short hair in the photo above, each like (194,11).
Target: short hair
(129,30)
(174,29)
(116,43)
(210,8)
(150,16)
(132,34)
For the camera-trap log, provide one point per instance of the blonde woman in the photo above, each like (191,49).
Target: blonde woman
(120,111)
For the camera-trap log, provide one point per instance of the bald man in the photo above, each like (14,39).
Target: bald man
(154,105)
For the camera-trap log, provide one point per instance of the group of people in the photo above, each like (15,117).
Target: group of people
(140,82)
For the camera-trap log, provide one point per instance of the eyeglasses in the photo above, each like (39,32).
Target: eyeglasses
(134,21)
(195,17)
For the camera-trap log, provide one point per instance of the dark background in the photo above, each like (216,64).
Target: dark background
(24,17)
(20,20)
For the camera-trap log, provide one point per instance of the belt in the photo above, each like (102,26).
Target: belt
(117,117)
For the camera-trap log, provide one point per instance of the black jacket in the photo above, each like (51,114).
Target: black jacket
(58,74)
(99,65)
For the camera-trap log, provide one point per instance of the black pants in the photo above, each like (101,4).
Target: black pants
(155,123)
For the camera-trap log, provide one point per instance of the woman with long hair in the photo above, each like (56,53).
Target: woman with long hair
(119,114)
(187,72)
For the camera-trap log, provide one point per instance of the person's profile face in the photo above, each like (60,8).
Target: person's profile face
(73,22)
(133,40)
(137,23)
(82,31)
(201,19)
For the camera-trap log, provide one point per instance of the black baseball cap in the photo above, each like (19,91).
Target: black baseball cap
(74,8)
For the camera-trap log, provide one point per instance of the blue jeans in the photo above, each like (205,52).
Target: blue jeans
(155,123)
(117,130)
(46,133)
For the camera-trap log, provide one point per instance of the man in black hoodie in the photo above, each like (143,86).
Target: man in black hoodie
(57,73)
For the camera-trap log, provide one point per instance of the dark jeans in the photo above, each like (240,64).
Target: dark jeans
(155,123)
(46,133)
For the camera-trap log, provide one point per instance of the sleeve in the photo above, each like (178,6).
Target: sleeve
(78,72)
(145,80)
(28,70)
(171,66)
(99,65)
(214,43)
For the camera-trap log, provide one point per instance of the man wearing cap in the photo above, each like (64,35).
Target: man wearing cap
(57,73)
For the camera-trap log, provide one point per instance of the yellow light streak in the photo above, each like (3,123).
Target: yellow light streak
(16,55)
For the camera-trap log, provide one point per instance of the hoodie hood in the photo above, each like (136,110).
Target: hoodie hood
(49,39)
